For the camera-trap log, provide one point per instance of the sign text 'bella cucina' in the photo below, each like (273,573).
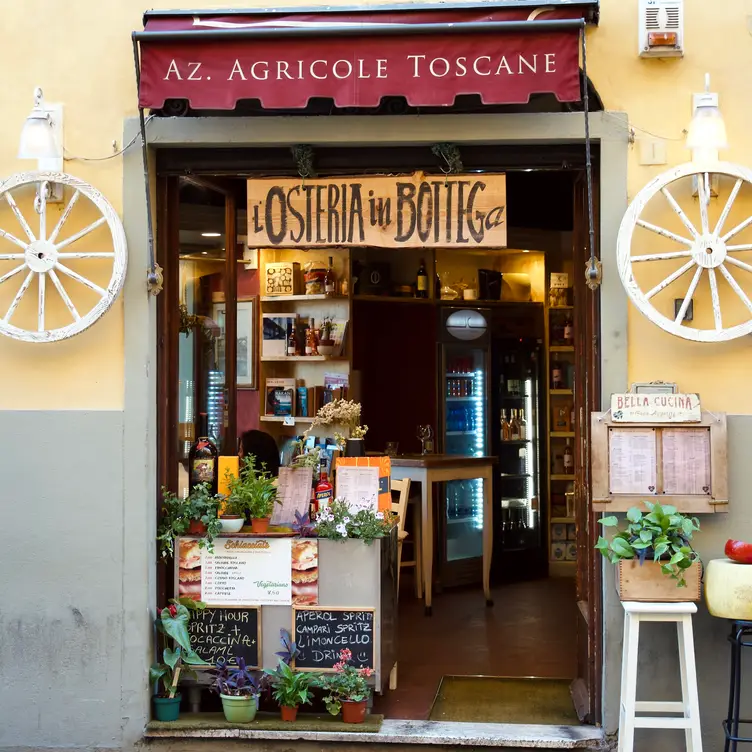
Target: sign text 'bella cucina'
(387,211)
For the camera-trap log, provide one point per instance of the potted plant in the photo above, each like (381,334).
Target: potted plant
(232,515)
(346,414)
(654,554)
(342,520)
(238,690)
(290,689)
(195,515)
(172,625)
(254,491)
(347,689)
(326,337)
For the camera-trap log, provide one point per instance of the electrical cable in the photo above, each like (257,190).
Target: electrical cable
(70,157)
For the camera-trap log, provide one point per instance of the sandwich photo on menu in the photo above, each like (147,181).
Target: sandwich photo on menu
(305,572)
(189,569)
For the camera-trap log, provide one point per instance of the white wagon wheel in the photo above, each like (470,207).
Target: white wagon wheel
(45,254)
(707,249)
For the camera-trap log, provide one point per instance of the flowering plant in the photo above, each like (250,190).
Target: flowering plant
(346,684)
(172,623)
(344,413)
(353,520)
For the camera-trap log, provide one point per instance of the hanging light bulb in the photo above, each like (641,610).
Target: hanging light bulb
(706,134)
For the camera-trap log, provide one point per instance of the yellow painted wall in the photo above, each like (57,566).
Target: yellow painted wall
(80,53)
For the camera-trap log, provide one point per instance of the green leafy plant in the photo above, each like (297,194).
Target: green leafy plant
(662,534)
(346,684)
(306,459)
(177,515)
(291,688)
(172,627)
(254,490)
(342,520)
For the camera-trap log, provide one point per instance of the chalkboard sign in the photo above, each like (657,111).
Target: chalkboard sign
(227,633)
(320,633)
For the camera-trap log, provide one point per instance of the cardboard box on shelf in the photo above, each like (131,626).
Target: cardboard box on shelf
(282,278)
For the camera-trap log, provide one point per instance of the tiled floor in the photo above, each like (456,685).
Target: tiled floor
(530,631)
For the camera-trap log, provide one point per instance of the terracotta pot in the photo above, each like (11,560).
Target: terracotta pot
(288,713)
(260,525)
(353,712)
(196,527)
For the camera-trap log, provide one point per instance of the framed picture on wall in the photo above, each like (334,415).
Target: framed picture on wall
(247,367)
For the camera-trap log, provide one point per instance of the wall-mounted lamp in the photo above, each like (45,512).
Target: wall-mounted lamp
(42,139)
(706,134)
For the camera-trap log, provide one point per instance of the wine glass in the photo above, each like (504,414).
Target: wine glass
(425,434)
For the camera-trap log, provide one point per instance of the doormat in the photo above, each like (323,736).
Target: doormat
(494,700)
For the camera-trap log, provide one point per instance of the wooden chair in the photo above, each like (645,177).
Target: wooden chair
(401,508)
(402,487)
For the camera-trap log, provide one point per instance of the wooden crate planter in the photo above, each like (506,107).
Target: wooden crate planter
(647,583)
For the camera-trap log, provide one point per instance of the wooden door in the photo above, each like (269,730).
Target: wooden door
(586,689)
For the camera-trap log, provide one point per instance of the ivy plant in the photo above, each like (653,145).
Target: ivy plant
(177,515)
(663,534)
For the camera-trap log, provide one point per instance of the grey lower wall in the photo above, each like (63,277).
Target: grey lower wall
(61,580)
(658,676)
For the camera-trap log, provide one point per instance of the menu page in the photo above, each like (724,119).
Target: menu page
(294,491)
(247,572)
(686,461)
(359,485)
(632,461)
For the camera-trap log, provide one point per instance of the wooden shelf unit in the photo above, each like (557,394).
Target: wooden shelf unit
(557,482)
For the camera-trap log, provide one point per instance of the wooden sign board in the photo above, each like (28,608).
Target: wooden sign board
(229,633)
(656,408)
(684,465)
(388,211)
(320,633)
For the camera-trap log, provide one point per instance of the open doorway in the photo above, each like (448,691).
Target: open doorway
(407,372)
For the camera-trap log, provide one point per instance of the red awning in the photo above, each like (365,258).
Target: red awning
(355,59)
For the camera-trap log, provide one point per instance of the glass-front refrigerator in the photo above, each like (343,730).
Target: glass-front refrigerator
(463,391)
(517,407)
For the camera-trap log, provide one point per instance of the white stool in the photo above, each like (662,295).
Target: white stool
(689,707)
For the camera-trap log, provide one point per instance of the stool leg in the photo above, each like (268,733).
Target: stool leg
(629,682)
(690,698)
(732,688)
(737,687)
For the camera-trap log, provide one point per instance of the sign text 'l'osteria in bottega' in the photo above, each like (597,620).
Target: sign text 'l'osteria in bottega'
(409,211)
(656,408)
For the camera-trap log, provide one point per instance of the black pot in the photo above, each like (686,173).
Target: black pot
(355,448)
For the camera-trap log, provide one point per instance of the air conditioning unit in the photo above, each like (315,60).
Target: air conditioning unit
(661,32)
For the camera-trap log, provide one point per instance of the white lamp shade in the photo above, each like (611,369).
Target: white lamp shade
(38,139)
(707,131)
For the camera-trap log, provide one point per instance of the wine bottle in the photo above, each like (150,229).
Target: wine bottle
(292,343)
(568,459)
(421,287)
(514,427)
(202,457)
(330,281)
(568,331)
(523,425)
(504,426)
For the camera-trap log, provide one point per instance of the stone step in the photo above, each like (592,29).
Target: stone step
(393,736)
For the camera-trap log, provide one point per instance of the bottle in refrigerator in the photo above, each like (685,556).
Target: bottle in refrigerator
(568,459)
(514,427)
(504,426)
(523,425)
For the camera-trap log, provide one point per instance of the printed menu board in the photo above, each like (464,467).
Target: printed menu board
(686,461)
(632,461)
(320,633)
(247,572)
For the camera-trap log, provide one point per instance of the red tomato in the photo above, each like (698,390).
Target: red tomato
(739,551)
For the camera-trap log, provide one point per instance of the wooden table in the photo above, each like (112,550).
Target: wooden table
(428,469)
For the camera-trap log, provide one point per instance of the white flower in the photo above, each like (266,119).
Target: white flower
(346,520)
(344,533)
(342,530)
(379,515)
